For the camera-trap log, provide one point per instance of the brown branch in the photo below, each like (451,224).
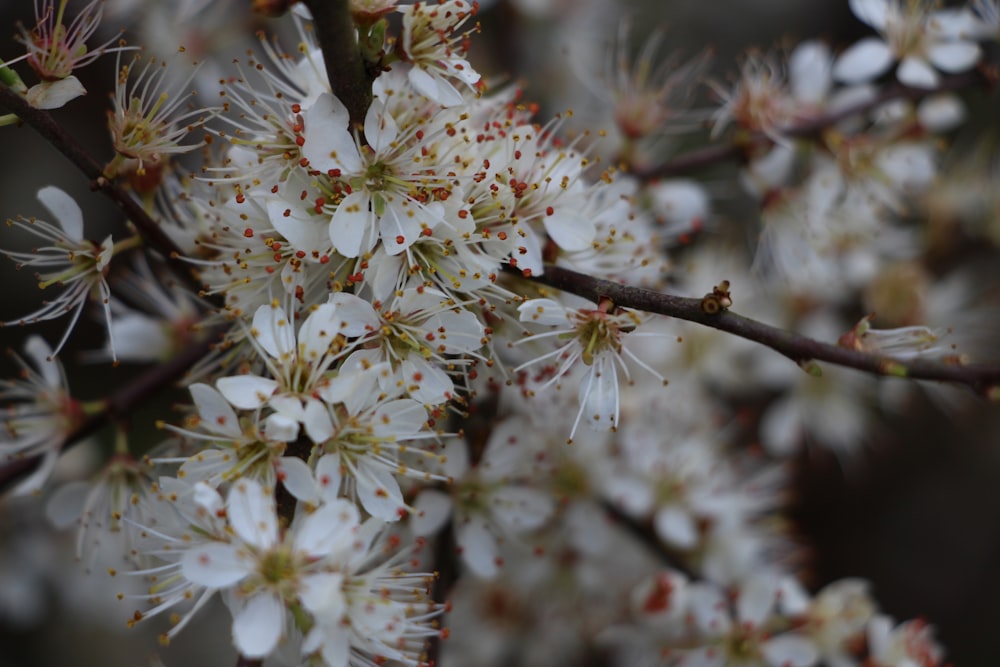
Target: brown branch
(242,661)
(810,128)
(149,230)
(349,79)
(121,404)
(981,378)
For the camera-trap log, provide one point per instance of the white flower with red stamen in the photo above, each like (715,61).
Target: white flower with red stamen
(71,261)
(298,367)
(488,502)
(922,38)
(38,412)
(388,184)
(431,44)
(595,337)
(55,49)
(275,580)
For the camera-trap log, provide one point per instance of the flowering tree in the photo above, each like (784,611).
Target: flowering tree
(444,401)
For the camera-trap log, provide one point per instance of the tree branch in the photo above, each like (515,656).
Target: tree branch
(981,378)
(810,128)
(345,67)
(150,231)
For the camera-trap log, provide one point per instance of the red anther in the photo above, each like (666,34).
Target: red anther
(296,108)
(549,211)
(463,214)
(240,198)
(400,239)
(300,140)
(248,232)
(301,254)
(325,259)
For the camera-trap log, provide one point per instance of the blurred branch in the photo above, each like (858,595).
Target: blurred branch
(810,128)
(981,378)
(149,230)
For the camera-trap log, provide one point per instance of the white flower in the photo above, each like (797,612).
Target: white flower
(384,178)
(909,644)
(914,34)
(430,43)
(38,412)
(72,261)
(298,367)
(490,502)
(595,337)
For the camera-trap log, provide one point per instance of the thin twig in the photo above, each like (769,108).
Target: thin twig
(150,231)
(981,378)
(810,128)
(243,661)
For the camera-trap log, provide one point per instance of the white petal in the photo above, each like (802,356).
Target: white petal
(323,595)
(431,511)
(64,209)
(328,477)
(328,528)
(478,547)
(917,72)
(258,625)
(569,228)
(865,60)
(598,395)
(379,493)
(357,315)
(328,143)
(756,600)
(940,113)
(519,508)
(426,382)
(676,527)
(65,506)
(790,650)
(809,71)
(295,475)
(247,392)
(399,418)
(304,231)
(543,311)
(873,12)
(380,127)
(273,330)
(41,355)
(216,414)
(401,224)
(954,57)
(215,565)
(252,514)
(54,94)
(319,425)
(280,428)
(350,224)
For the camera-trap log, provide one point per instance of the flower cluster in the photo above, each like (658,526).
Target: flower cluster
(393,395)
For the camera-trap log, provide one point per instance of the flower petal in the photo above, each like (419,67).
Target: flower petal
(865,60)
(247,392)
(64,209)
(216,414)
(252,514)
(215,565)
(258,625)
